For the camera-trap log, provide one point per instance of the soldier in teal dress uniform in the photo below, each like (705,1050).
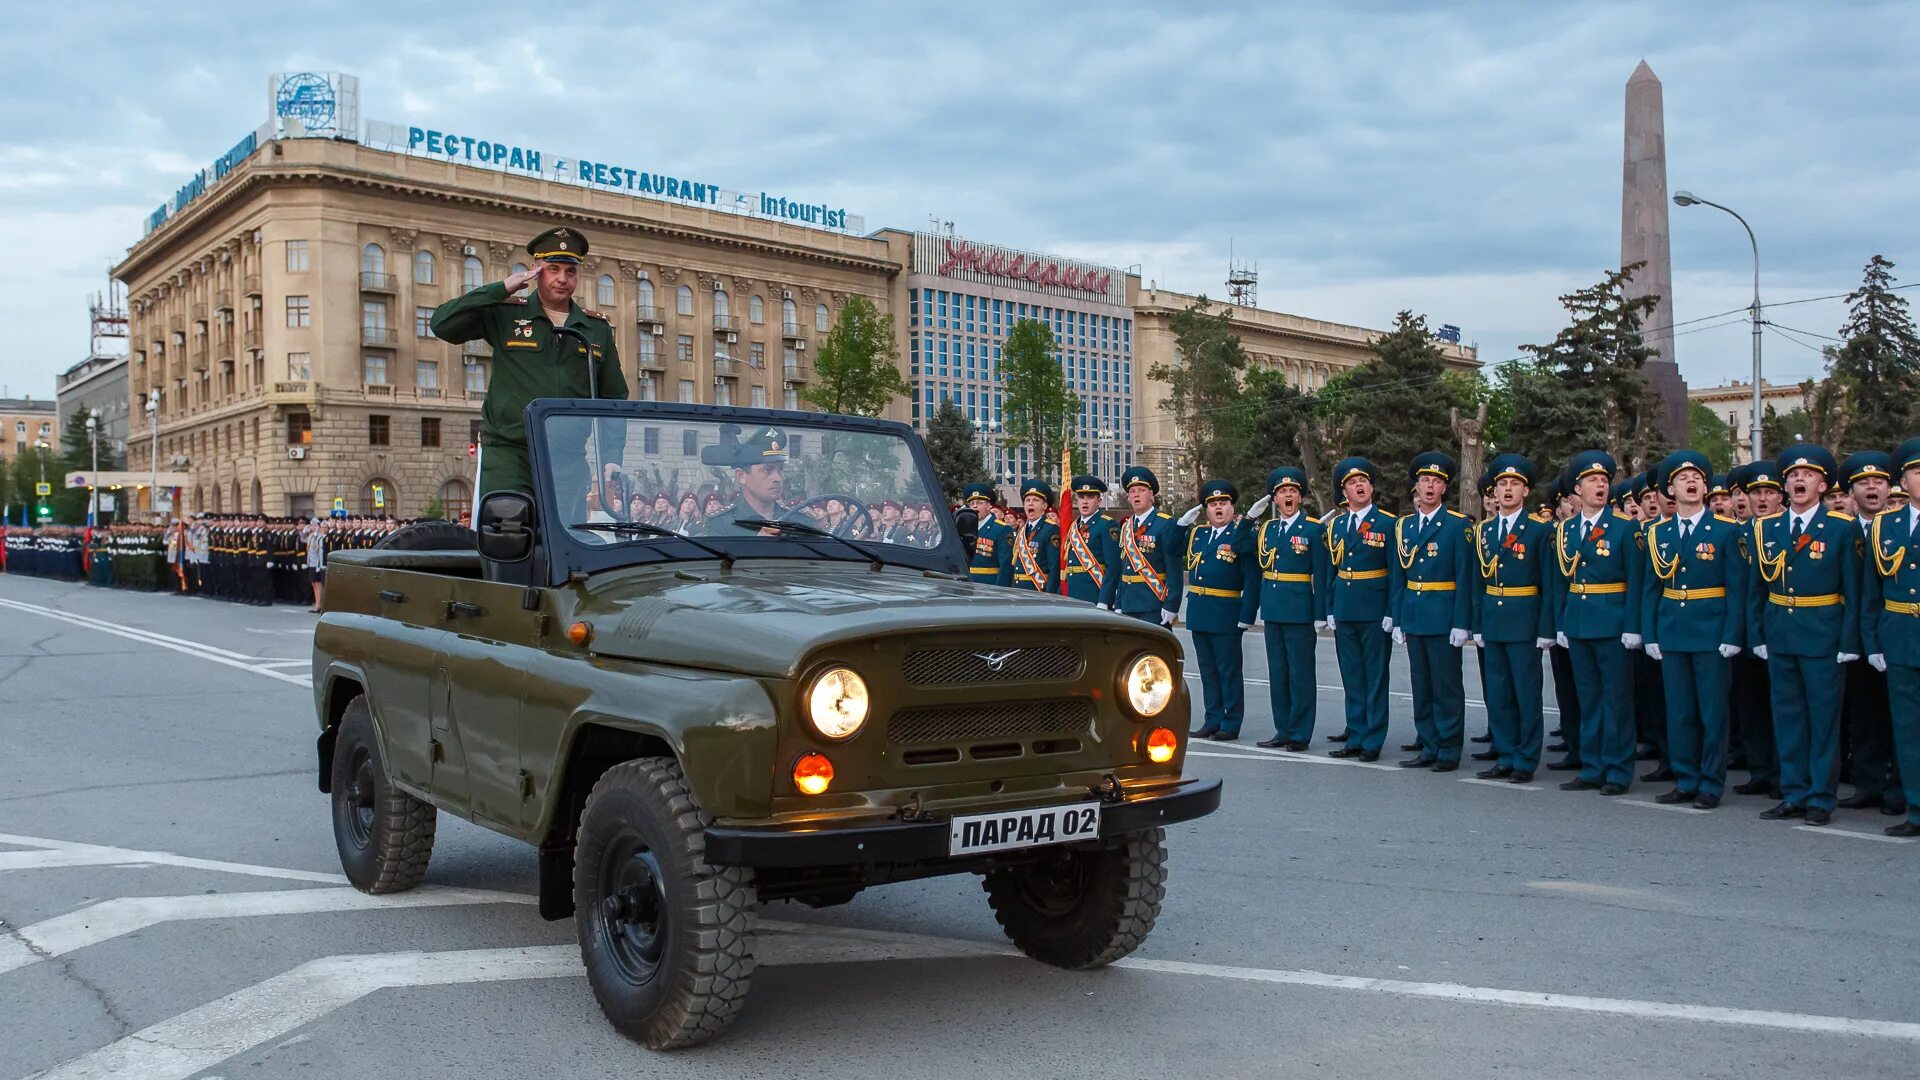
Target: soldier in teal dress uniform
(990,538)
(1890,624)
(1291,551)
(1089,544)
(1223,599)
(1145,561)
(1359,543)
(1429,593)
(1866,729)
(1596,580)
(1031,557)
(1512,618)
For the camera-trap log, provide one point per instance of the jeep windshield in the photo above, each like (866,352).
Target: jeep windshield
(619,478)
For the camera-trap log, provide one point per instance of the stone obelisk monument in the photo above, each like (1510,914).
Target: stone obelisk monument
(1643,239)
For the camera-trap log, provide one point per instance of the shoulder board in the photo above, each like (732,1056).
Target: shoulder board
(1163,515)
(1451,512)
(592,314)
(1770,517)
(1316,520)
(1891,510)
(1841,516)
(1725,518)
(514,300)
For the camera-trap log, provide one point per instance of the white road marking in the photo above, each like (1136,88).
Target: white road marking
(1501,784)
(124,915)
(1676,808)
(56,853)
(308,662)
(201,650)
(1250,753)
(1852,834)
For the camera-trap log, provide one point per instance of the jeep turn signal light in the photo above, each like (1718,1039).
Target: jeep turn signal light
(1161,744)
(580,633)
(813,774)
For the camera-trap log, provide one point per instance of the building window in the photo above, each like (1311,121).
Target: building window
(757,397)
(643,388)
(378,499)
(299,312)
(646,298)
(648,350)
(686,347)
(650,440)
(476,376)
(299,429)
(790,356)
(430,432)
(472,274)
(296,256)
(820,318)
(373,369)
(426,377)
(683,300)
(757,353)
(686,393)
(299,366)
(722,392)
(604,294)
(689,442)
(423,267)
(790,399)
(756,310)
(423,322)
(789,317)
(373,259)
(722,306)
(373,315)
(456,498)
(377,429)
(519,268)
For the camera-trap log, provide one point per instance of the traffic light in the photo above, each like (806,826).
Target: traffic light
(43,511)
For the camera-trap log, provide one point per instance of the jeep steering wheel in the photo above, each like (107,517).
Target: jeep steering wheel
(797,512)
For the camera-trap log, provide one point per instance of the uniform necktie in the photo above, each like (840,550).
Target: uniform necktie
(1793,534)
(1686,530)
(1585,527)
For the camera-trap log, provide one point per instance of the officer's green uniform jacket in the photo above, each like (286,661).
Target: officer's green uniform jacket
(1036,543)
(1890,615)
(984,563)
(1429,583)
(1804,598)
(1694,599)
(1513,585)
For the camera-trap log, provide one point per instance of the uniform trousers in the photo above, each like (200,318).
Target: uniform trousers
(1806,727)
(1222,685)
(1603,676)
(1566,697)
(1696,692)
(1439,699)
(1512,689)
(1649,703)
(1364,651)
(1903,689)
(1751,703)
(1292,683)
(1870,727)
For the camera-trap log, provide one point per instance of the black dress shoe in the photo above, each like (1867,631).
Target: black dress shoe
(1416,762)
(1498,772)
(1520,776)
(1557,732)
(1560,747)
(1340,737)
(1578,784)
(1274,744)
(1369,755)
(1445,766)
(1296,746)
(1346,752)
(1668,798)
(1563,765)
(1413,747)
(1646,752)
(1776,794)
(1659,776)
(1486,755)
(1905,828)
(1706,802)
(1859,802)
(1203,733)
(1893,809)
(1752,787)
(1226,736)
(1817,816)
(1487,738)
(1614,789)
(1739,763)
(1783,810)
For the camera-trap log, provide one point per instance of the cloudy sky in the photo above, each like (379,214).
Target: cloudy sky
(1462,160)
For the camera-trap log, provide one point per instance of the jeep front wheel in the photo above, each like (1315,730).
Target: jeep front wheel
(385,835)
(1083,908)
(667,940)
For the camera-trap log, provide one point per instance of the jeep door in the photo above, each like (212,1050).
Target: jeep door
(482,656)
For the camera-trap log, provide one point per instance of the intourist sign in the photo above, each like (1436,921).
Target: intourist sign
(1034,268)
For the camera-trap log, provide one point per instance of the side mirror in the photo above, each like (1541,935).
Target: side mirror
(505,525)
(967,524)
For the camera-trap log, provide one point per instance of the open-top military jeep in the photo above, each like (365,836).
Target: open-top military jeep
(755,705)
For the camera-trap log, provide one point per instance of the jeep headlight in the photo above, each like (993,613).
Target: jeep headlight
(837,703)
(1149,685)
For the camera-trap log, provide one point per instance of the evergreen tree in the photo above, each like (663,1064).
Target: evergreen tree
(1596,363)
(1873,379)
(1396,404)
(27,470)
(858,365)
(1276,422)
(1203,389)
(76,455)
(1036,406)
(957,458)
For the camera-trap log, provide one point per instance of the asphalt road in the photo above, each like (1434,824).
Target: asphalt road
(171,903)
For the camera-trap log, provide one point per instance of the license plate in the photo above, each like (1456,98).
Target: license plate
(974,834)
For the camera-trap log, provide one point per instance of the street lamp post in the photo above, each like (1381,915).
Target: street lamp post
(1687,198)
(41,447)
(153,453)
(93,487)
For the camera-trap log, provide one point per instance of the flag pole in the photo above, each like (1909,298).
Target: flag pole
(1066,507)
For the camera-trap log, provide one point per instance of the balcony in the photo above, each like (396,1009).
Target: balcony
(374,282)
(651,316)
(251,338)
(651,362)
(177,323)
(251,285)
(791,331)
(199,355)
(380,337)
(199,313)
(797,373)
(727,369)
(223,299)
(726,324)
(384,390)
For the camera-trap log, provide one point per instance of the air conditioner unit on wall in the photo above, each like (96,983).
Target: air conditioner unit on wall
(716,285)
(469,250)
(733,339)
(786,294)
(659,330)
(296,453)
(799,346)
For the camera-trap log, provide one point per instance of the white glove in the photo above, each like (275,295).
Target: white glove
(1246,626)
(1190,517)
(1878,660)
(1729,651)
(1399,636)
(1330,624)
(1543,643)
(1457,637)
(1479,641)
(1653,650)
(1321,624)
(1386,623)
(1760,651)
(1259,506)
(1560,639)
(1848,658)
(1167,617)
(1631,641)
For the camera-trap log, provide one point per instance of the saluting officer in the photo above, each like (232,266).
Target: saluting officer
(1800,610)
(1890,625)
(991,535)
(1867,723)
(1357,542)
(1223,599)
(1291,552)
(1089,544)
(1512,620)
(1693,618)
(1032,559)
(1429,597)
(1145,560)
(1597,571)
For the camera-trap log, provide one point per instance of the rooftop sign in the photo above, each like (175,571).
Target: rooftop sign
(990,264)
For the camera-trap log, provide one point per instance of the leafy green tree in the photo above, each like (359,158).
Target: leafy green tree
(1596,366)
(1269,429)
(957,458)
(1203,388)
(27,472)
(436,510)
(1396,404)
(1036,406)
(1707,433)
(76,455)
(7,492)
(1779,430)
(858,365)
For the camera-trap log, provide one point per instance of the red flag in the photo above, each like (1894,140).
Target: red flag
(1066,509)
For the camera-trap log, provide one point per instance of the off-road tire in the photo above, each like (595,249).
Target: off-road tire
(1086,908)
(430,536)
(385,835)
(699,923)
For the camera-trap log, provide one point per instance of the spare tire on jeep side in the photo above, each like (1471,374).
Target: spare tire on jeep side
(430,536)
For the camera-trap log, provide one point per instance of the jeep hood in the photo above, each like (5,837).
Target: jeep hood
(764,619)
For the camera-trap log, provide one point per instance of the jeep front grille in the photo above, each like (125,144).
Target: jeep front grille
(994,664)
(998,720)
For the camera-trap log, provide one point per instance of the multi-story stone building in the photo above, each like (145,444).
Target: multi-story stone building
(1733,403)
(25,422)
(98,385)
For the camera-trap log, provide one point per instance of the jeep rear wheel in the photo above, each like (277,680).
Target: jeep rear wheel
(1083,908)
(385,835)
(667,940)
